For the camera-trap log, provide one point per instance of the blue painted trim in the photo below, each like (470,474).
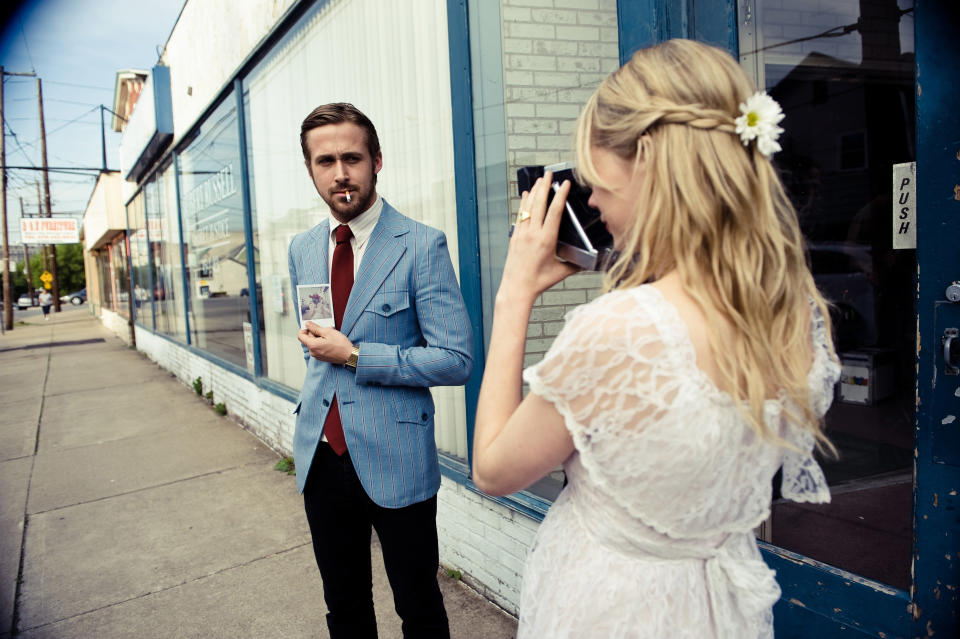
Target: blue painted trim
(810,587)
(644,23)
(162,123)
(150,282)
(936,565)
(714,22)
(638,26)
(263,383)
(248,227)
(162,101)
(183,261)
(523,503)
(468,232)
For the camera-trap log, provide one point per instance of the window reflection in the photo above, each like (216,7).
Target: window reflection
(214,243)
(844,76)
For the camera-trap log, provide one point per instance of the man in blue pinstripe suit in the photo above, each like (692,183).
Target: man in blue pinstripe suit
(364,445)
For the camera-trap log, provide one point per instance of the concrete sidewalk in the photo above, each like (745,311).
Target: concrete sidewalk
(129,508)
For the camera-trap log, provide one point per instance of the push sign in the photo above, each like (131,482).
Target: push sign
(905,206)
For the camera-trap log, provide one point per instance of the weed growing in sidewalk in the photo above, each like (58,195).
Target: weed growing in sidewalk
(453,574)
(198,386)
(221,408)
(286,465)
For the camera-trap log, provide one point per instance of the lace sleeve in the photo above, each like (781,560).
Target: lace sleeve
(600,370)
(803,479)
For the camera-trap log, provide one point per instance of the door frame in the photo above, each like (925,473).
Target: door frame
(818,599)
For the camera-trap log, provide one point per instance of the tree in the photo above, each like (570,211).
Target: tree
(69,270)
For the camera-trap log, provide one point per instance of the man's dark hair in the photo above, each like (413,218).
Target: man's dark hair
(335,113)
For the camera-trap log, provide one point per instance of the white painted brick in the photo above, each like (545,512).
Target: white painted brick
(555,142)
(528,3)
(515,14)
(529,30)
(555,17)
(587,65)
(599,49)
(564,297)
(577,33)
(535,126)
(552,329)
(515,110)
(555,79)
(555,47)
(513,45)
(577,4)
(597,18)
(561,111)
(524,78)
(532,62)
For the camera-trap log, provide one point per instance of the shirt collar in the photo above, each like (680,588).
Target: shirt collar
(362,225)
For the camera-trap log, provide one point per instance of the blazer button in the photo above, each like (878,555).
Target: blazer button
(424,417)
(385,308)
(326,403)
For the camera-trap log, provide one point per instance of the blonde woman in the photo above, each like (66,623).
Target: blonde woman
(674,398)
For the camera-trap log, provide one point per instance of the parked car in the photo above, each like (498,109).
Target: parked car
(25,302)
(77,298)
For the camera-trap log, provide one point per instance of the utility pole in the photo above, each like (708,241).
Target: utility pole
(7,283)
(103,139)
(8,300)
(46,188)
(43,247)
(26,258)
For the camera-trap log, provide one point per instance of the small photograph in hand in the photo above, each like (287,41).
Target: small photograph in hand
(314,304)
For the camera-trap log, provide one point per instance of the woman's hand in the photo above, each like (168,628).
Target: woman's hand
(532,266)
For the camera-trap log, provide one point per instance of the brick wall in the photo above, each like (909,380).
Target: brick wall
(485,541)
(555,54)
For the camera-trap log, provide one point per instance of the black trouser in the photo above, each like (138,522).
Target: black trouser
(341,515)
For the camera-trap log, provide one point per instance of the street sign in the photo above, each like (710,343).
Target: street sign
(45,277)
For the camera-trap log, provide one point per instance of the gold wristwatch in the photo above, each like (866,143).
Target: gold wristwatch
(352,360)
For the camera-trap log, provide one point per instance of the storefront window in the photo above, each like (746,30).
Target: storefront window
(844,75)
(120,276)
(104,266)
(399,76)
(163,229)
(532,72)
(213,233)
(140,259)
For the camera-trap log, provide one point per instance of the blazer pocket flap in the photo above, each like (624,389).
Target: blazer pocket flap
(389,303)
(416,414)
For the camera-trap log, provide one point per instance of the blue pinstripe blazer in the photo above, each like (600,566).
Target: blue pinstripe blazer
(407,315)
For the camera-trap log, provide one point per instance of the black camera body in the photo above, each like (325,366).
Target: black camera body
(583,239)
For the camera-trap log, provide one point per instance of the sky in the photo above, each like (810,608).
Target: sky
(75,47)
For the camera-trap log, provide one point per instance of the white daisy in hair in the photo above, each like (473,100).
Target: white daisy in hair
(759,118)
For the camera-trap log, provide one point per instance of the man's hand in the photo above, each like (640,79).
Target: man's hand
(325,343)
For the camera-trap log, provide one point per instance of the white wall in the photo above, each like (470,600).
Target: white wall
(210,41)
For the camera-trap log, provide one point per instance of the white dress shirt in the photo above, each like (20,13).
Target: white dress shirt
(362,228)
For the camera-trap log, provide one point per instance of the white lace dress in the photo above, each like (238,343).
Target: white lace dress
(653,535)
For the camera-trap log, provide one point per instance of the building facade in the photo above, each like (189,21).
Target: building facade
(465,93)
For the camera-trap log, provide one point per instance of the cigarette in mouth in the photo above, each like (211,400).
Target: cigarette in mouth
(348,196)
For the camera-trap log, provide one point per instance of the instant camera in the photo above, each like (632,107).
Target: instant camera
(583,239)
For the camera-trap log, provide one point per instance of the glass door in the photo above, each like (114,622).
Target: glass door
(844,74)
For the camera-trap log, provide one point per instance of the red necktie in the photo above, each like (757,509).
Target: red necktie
(341,281)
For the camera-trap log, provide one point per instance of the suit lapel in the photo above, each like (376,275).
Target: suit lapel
(320,238)
(381,255)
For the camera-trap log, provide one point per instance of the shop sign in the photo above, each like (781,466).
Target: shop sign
(49,230)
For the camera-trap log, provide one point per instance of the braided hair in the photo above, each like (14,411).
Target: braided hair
(714,210)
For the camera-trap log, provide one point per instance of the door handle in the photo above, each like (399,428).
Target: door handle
(951,351)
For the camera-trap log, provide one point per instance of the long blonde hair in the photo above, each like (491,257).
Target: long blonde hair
(715,211)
